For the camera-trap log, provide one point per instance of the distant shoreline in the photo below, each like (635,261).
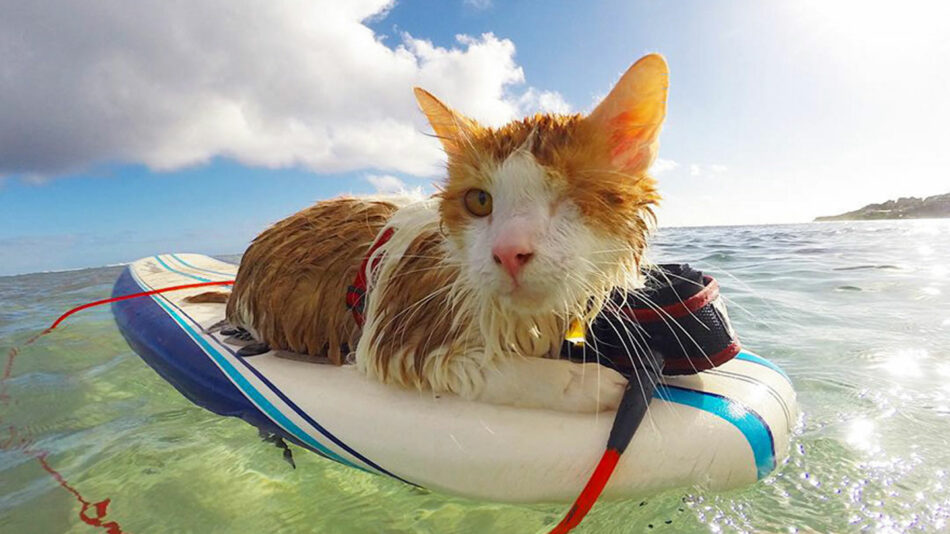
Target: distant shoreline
(932,207)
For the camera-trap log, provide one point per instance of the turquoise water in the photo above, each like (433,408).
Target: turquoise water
(856,313)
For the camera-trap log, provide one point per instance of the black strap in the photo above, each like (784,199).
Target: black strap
(633,407)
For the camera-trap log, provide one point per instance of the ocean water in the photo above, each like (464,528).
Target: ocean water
(856,313)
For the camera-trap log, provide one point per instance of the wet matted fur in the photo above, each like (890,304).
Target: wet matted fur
(291,286)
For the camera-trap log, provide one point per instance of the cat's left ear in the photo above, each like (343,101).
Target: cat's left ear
(629,118)
(452,128)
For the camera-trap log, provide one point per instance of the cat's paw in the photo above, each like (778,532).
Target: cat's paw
(592,388)
(553,384)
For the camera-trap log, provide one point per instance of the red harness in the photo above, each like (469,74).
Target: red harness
(356,293)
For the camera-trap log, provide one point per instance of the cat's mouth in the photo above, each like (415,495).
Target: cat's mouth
(520,291)
(526,296)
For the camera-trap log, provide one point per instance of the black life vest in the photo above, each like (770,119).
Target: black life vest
(677,321)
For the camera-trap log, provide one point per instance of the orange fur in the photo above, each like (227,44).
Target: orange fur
(577,158)
(600,161)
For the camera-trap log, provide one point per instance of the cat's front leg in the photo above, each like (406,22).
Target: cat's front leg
(528,382)
(553,384)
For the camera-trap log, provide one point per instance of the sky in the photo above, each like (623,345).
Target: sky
(133,128)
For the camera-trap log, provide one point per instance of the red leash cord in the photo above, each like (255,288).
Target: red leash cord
(588,496)
(24,443)
(136,295)
(582,505)
(11,355)
(641,385)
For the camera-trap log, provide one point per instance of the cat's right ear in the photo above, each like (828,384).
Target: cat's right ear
(452,128)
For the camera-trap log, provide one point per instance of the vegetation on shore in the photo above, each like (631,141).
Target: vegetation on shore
(935,206)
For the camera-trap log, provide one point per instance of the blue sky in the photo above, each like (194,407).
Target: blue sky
(151,142)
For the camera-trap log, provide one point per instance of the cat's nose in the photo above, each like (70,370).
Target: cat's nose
(512,257)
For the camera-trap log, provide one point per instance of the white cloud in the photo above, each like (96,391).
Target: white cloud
(273,84)
(533,101)
(707,170)
(386,183)
(662,165)
(595,101)
(479,4)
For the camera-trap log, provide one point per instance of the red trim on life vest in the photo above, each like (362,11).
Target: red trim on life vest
(356,293)
(689,366)
(679,309)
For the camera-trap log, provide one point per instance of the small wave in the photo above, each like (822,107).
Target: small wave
(868,267)
(848,288)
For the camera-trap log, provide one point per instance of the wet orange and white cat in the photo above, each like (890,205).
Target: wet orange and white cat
(535,223)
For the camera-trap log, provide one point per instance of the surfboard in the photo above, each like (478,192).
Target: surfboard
(720,429)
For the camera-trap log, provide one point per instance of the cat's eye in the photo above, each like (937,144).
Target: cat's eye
(478,202)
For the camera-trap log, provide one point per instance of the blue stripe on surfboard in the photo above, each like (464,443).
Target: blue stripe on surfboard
(293,406)
(299,411)
(758,384)
(242,383)
(320,428)
(196,268)
(756,431)
(170,268)
(749,357)
(161,343)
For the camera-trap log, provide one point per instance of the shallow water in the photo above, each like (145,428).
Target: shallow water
(856,313)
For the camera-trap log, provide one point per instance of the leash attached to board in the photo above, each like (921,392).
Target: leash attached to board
(677,324)
(11,355)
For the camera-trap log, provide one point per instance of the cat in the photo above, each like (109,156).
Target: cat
(472,290)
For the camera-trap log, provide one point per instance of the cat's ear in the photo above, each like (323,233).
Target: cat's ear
(452,128)
(630,117)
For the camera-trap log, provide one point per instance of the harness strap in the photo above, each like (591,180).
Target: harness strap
(356,293)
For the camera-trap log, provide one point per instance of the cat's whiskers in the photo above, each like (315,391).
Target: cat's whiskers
(610,306)
(395,347)
(782,317)
(725,298)
(636,350)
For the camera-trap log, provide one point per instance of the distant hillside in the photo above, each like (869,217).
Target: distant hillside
(936,206)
